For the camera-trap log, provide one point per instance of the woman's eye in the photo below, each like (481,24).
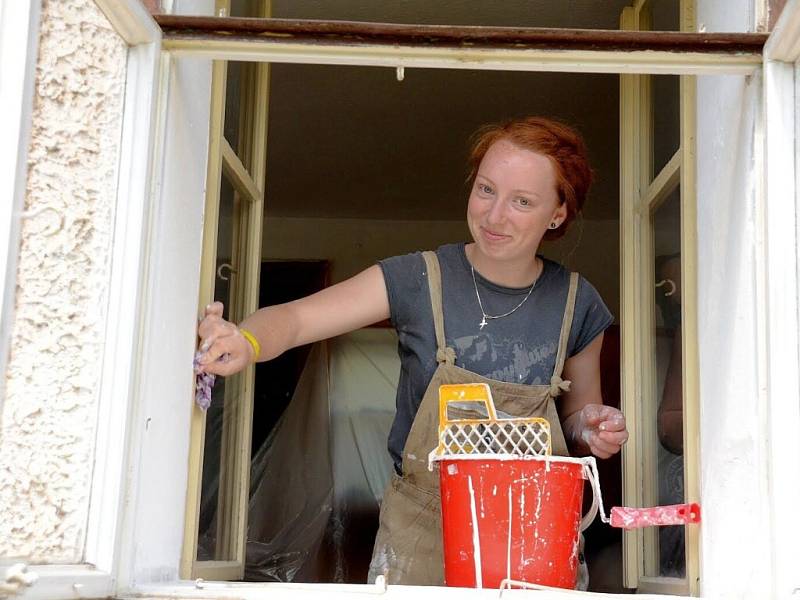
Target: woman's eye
(523,201)
(484,189)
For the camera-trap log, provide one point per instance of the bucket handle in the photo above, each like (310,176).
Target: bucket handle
(590,472)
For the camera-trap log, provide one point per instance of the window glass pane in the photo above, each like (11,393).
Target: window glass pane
(232,100)
(667,407)
(246,8)
(238,130)
(666,119)
(589,14)
(666,15)
(208,545)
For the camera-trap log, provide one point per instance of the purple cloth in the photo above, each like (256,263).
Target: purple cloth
(204,382)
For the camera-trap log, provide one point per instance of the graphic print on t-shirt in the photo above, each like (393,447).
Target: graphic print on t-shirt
(506,359)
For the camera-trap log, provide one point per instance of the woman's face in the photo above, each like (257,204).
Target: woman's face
(512,202)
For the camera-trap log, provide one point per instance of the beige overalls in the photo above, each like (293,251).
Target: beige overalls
(408,547)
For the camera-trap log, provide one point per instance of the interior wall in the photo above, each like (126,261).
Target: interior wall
(353,142)
(361,166)
(352,245)
(589,247)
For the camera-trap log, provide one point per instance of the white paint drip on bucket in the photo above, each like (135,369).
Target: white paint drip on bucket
(510,520)
(476,539)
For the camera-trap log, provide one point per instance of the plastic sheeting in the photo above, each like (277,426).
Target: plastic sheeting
(317,481)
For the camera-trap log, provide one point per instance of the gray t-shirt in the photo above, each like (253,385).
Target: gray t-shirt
(519,348)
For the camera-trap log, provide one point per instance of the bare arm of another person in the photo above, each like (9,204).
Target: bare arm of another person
(589,426)
(670,410)
(351,304)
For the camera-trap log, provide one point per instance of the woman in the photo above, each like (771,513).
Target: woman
(489,311)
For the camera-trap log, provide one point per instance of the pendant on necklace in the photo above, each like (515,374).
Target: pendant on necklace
(483,322)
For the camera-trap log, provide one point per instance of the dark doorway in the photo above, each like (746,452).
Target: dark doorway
(275,380)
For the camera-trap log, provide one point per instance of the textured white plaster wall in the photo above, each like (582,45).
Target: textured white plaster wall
(50,409)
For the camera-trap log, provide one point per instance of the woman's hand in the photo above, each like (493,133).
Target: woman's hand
(348,305)
(224,349)
(588,424)
(601,428)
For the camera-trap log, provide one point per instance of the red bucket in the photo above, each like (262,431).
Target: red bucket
(511,518)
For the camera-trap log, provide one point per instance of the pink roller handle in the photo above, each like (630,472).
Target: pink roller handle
(675,514)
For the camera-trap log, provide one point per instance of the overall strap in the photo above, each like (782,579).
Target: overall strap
(558,385)
(443,353)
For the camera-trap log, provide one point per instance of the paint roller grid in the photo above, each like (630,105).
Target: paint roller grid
(512,438)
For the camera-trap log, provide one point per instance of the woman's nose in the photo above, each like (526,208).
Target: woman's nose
(496,211)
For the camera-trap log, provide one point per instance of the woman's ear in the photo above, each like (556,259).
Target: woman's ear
(560,214)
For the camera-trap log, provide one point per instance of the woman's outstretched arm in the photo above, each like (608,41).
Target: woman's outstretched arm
(351,304)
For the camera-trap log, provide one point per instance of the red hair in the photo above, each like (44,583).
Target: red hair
(560,143)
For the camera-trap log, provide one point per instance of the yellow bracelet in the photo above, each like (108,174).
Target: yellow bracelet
(253,341)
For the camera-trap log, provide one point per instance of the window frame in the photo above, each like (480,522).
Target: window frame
(778,220)
(499,60)
(225,161)
(642,190)
(772,308)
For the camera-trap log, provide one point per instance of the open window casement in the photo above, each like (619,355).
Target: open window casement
(659,342)
(219,469)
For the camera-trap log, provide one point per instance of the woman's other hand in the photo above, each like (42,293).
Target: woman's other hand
(601,428)
(588,424)
(224,350)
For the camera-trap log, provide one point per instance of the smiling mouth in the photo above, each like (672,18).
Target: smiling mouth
(493,236)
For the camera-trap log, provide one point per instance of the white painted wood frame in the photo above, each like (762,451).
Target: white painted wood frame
(130,20)
(214,590)
(572,61)
(779,235)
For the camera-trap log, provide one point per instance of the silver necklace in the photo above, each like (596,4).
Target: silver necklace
(484,321)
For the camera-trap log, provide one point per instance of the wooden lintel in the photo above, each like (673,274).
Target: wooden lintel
(355,32)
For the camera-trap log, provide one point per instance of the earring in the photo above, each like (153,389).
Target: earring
(553,225)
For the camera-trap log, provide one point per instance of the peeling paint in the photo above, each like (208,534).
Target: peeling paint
(53,375)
